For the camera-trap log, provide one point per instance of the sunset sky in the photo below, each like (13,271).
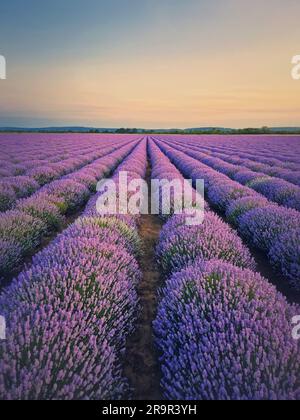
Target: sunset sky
(149,63)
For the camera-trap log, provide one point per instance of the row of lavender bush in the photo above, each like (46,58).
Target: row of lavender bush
(274,151)
(20,153)
(275,189)
(266,166)
(222,330)
(268,227)
(179,249)
(14,188)
(22,229)
(258,165)
(68,316)
(29,162)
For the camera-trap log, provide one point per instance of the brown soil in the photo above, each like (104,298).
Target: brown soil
(141,360)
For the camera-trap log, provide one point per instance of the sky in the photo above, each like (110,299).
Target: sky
(149,63)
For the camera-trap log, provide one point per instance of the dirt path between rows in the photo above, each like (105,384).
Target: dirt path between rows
(141,359)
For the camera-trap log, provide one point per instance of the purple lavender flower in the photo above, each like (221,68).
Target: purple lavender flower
(241,206)
(246,176)
(225,333)
(5,172)
(25,230)
(57,355)
(99,277)
(285,256)
(279,191)
(180,245)
(98,226)
(7,197)
(70,313)
(39,207)
(85,178)
(44,174)
(293,177)
(221,195)
(262,226)
(23,186)
(70,192)
(10,255)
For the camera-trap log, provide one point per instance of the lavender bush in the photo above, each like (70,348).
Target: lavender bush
(10,255)
(225,333)
(285,256)
(72,193)
(57,355)
(25,230)
(260,226)
(44,175)
(97,225)
(222,195)
(22,185)
(279,191)
(41,208)
(181,245)
(263,226)
(241,206)
(87,275)
(7,197)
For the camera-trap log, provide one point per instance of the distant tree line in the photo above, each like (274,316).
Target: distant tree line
(211,131)
(197,131)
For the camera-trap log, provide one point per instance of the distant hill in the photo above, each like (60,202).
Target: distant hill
(287,129)
(209,129)
(199,130)
(74,129)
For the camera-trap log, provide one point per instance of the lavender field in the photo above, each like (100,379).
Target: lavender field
(144,306)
